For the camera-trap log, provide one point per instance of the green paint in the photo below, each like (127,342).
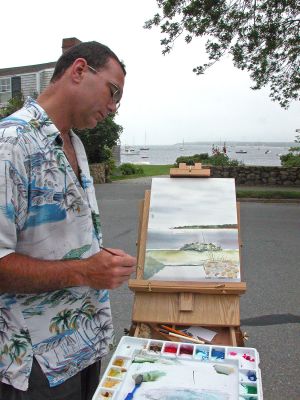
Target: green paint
(250,389)
(150,376)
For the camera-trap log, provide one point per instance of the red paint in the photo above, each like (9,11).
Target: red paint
(248,358)
(170,349)
(186,350)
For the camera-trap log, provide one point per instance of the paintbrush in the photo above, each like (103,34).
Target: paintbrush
(108,251)
(187,338)
(175,331)
(138,381)
(184,334)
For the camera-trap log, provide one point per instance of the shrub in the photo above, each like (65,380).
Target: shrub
(218,158)
(290,160)
(191,160)
(131,169)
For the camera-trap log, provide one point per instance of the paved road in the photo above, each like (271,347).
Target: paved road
(270,310)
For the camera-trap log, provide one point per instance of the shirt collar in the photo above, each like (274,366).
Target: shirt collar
(41,120)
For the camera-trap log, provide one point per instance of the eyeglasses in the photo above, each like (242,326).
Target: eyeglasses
(115,91)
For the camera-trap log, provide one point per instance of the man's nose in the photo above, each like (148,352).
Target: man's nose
(112,107)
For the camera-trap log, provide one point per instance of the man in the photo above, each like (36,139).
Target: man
(55,319)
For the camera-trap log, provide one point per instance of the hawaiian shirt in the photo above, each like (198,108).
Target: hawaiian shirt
(46,213)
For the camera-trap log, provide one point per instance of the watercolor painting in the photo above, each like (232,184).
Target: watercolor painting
(166,379)
(192,230)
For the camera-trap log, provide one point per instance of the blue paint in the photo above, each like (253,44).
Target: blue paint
(201,354)
(251,375)
(218,354)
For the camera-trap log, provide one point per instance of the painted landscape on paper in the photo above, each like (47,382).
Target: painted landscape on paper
(192,230)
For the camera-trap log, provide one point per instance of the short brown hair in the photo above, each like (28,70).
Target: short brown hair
(96,55)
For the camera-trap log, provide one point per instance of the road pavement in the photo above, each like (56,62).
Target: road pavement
(270,309)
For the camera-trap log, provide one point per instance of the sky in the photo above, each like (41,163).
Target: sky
(192,208)
(164,101)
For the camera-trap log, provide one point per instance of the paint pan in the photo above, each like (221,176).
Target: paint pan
(120,362)
(170,349)
(116,372)
(248,376)
(246,357)
(132,347)
(201,353)
(110,383)
(246,397)
(217,353)
(155,347)
(186,350)
(105,395)
(248,389)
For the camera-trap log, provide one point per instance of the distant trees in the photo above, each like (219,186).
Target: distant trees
(292,159)
(263,37)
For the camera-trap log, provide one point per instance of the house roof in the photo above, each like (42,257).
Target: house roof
(27,69)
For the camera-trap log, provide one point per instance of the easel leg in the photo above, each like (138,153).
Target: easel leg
(233,336)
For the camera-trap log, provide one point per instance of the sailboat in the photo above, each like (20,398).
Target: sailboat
(144,147)
(182,146)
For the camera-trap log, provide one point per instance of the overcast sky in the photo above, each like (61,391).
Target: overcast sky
(163,98)
(201,197)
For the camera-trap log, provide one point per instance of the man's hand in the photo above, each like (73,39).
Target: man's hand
(106,271)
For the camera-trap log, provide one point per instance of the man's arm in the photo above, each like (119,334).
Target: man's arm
(24,274)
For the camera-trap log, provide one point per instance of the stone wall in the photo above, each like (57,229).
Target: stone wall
(259,175)
(244,175)
(98,172)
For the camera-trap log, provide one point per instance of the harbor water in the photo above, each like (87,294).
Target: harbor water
(267,154)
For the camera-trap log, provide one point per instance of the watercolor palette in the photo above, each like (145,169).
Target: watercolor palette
(180,371)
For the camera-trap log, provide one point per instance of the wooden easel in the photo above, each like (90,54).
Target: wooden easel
(208,304)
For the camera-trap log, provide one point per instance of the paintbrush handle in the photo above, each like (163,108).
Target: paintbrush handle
(108,251)
(131,394)
(189,339)
(175,331)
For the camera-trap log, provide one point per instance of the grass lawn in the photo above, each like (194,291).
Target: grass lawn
(267,194)
(149,170)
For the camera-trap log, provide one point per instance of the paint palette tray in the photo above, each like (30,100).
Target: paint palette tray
(185,371)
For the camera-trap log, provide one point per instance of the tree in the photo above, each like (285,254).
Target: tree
(263,37)
(99,141)
(14,104)
(292,158)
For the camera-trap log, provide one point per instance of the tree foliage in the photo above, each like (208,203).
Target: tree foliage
(217,159)
(14,104)
(263,37)
(99,141)
(292,158)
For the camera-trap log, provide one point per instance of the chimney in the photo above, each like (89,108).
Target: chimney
(67,43)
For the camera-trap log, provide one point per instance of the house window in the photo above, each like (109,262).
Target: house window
(5,90)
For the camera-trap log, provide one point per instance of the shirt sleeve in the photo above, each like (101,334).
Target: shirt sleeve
(13,194)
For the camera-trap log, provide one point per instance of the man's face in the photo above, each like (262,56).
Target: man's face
(99,92)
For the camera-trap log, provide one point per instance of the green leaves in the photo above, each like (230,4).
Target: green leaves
(263,37)
(99,141)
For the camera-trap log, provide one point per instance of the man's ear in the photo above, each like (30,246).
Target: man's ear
(78,69)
